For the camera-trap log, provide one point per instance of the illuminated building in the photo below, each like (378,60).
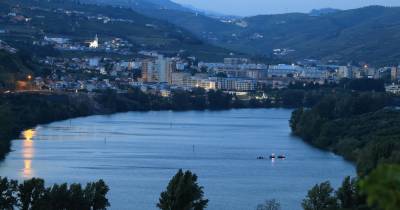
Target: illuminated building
(94,43)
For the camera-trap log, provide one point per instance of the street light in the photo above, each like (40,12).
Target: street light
(29,77)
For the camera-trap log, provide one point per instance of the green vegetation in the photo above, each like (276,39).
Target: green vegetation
(33,195)
(383,187)
(320,197)
(377,191)
(363,127)
(347,197)
(357,126)
(183,193)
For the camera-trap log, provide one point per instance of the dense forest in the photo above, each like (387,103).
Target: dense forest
(363,127)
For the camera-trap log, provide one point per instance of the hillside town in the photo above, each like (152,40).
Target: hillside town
(114,63)
(154,72)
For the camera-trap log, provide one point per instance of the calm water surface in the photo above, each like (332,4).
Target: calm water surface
(137,153)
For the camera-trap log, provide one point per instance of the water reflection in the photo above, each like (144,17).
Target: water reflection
(28,152)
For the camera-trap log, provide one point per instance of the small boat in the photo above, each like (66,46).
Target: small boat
(260,158)
(281,157)
(272,156)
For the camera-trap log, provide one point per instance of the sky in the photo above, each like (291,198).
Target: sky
(255,7)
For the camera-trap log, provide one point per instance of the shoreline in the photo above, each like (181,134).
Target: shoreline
(23,111)
(133,120)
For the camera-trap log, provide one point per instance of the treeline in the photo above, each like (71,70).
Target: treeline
(34,195)
(182,193)
(362,127)
(19,111)
(308,94)
(197,99)
(377,191)
(200,99)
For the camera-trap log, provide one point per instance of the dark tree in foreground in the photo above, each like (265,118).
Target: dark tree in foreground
(270,205)
(183,193)
(7,191)
(33,195)
(320,197)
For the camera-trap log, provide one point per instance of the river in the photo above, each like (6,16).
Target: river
(136,153)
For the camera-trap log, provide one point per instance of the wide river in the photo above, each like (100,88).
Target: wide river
(137,153)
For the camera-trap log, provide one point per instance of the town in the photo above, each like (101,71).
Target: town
(110,62)
(156,73)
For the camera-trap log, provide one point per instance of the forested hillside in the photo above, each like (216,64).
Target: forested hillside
(369,34)
(78,21)
(362,127)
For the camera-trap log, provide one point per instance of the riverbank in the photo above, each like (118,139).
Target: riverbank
(362,127)
(136,153)
(20,111)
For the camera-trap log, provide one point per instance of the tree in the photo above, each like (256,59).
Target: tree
(320,197)
(219,100)
(270,205)
(183,193)
(59,197)
(349,195)
(382,187)
(8,190)
(77,198)
(95,193)
(32,194)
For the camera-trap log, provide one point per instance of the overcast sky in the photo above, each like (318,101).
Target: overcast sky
(253,7)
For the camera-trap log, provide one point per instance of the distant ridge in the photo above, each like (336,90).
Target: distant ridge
(323,11)
(369,34)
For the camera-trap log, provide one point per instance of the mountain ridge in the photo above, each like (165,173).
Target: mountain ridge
(365,34)
(80,21)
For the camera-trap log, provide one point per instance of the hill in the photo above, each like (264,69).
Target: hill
(82,22)
(142,4)
(323,11)
(194,21)
(13,67)
(368,34)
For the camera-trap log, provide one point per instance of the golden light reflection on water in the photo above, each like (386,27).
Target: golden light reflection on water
(28,152)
